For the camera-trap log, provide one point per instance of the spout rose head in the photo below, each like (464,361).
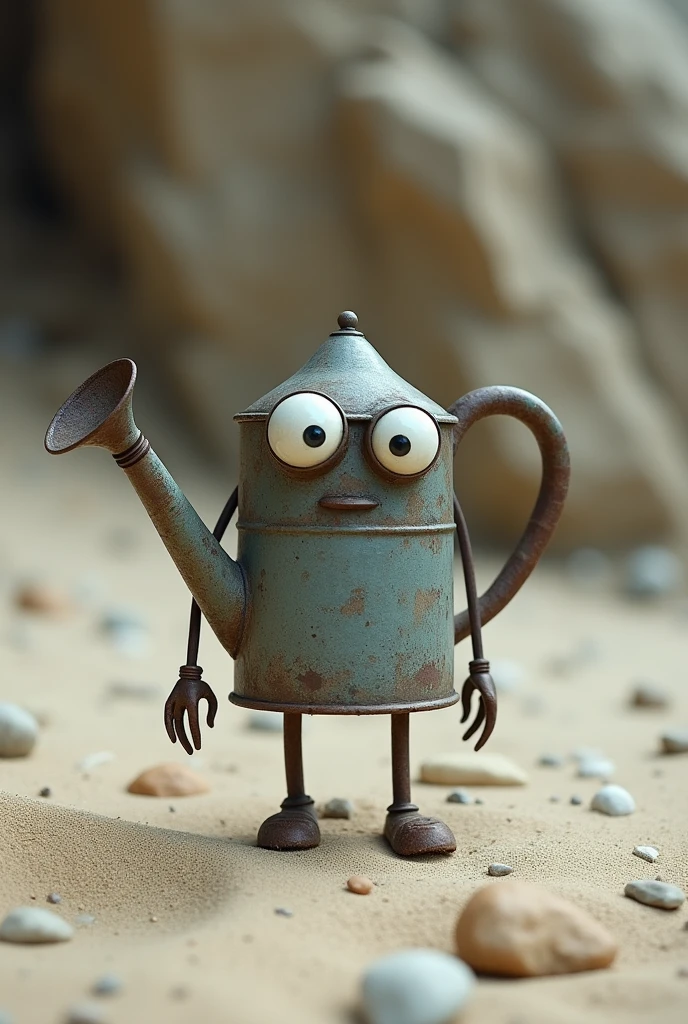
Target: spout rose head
(98,413)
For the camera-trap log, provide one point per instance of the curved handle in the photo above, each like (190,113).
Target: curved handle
(541,421)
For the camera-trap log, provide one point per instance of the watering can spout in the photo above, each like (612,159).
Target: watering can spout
(99,413)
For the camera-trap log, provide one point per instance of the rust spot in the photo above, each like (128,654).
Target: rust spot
(432,543)
(352,484)
(305,576)
(403,598)
(372,658)
(311,680)
(423,602)
(356,603)
(441,498)
(407,542)
(414,506)
(428,676)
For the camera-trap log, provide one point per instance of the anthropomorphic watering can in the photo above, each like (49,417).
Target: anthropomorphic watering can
(340,601)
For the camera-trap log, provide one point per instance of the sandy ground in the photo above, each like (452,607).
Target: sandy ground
(183,902)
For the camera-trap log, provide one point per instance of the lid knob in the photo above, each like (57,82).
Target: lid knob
(347,320)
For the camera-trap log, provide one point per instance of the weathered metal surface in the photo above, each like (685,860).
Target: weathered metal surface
(351,605)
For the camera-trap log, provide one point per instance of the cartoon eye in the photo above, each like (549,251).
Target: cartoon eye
(405,440)
(305,430)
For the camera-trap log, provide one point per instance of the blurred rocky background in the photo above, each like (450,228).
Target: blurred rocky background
(499,188)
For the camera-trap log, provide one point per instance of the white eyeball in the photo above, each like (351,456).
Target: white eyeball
(305,430)
(405,440)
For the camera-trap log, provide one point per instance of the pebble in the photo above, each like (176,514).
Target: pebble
(550,761)
(576,800)
(85,1013)
(589,567)
(18,731)
(647,696)
(518,929)
(107,985)
(655,894)
(499,870)
(45,791)
(126,630)
(651,572)
(674,741)
(34,924)
(337,807)
(54,897)
(84,920)
(613,800)
(168,780)
(34,597)
(648,853)
(284,912)
(360,885)
(266,721)
(507,675)
(595,768)
(471,769)
(459,796)
(415,986)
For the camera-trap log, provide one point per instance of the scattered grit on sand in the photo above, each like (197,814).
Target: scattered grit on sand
(171,898)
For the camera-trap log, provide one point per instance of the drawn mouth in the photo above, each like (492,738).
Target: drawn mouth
(349,502)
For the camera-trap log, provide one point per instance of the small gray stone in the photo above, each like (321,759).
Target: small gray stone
(675,741)
(613,800)
(284,912)
(34,924)
(85,1013)
(416,986)
(459,796)
(18,731)
(595,768)
(265,721)
(655,894)
(589,568)
(107,985)
(499,870)
(648,853)
(647,696)
(337,807)
(54,897)
(652,571)
(550,761)
(576,800)
(45,792)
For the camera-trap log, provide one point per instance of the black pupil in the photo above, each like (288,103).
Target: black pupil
(400,445)
(314,436)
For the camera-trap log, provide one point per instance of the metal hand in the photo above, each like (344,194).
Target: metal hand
(480,680)
(185,697)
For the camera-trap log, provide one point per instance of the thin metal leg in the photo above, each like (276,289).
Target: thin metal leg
(401,767)
(293,762)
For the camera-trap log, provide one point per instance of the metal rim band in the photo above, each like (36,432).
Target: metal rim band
(339,709)
(137,451)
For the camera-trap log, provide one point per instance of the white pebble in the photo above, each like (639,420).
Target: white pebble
(416,986)
(652,571)
(595,768)
(459,796)
(265,721)
(471,769)
(18,731)
(648,853)
(675,741)
(107,985)
(34,924)
(655,894)
(507,675)
(613,800)
(499,870)
(337,807)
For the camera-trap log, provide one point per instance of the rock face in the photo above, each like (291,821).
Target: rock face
(168,780)
(416,986)
(376,169)
(471,769)
(516,929)
(18,731)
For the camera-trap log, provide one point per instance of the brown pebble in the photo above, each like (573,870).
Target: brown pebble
(34,597)
(168,780)
(360,885)
(516,929)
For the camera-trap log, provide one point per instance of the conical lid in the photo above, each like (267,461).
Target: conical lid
(347,368)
